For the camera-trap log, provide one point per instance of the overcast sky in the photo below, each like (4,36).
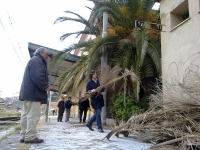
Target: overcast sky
(23,21)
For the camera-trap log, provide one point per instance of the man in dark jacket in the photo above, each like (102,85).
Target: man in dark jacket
(68,105)
(83,107)
(97,101)
(33,92)
(61,109)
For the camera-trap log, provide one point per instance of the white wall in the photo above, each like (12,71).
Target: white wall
(180,46)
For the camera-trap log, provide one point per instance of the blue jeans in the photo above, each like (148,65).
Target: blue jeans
(97,117)
(67,115)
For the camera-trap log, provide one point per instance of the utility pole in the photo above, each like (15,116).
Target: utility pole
(104,60)
(48,94)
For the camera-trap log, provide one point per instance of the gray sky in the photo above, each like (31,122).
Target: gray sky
(32,21)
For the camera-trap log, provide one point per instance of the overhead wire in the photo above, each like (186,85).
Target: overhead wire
(11,42)
(16,39)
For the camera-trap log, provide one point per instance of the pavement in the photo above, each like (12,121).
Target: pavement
(71,135)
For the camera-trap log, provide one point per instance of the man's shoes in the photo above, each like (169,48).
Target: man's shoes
(21,140)
(36,140)
(89,127)
(101,130)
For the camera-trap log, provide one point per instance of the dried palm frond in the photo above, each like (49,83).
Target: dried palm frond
(112,77)
(114,131)
(173,116)
(107,73)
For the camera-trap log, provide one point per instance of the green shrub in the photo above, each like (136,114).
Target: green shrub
(123,110)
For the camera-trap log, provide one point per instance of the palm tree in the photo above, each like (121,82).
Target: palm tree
(127,48)
(135,50)
(91,28)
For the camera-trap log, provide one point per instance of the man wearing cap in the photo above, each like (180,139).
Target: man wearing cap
(33,93)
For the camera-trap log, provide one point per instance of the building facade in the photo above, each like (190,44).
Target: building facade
(180,38)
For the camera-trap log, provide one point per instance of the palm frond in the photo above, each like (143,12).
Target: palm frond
(110,7)
(92,29)
(107,73)
(148,68)
(62,19)
(141,45)
(110,82)
(80,76)
(155,57)
(109,40)
(95,52)
(64,36)
(61,55)
(79,16)
(58,58)
(89,8)
(73,76)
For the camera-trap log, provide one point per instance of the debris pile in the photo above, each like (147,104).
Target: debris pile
(173,117)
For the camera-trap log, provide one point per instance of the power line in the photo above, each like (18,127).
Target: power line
(16,39)
(14,31)
(11,42)
(19,47)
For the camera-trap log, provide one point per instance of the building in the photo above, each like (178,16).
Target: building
(180,38)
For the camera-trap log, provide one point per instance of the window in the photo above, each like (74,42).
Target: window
(179,14)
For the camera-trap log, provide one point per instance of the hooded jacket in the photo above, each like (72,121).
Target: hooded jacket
(35,80)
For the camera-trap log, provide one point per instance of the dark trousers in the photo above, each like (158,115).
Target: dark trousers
(60,116)
(81,114)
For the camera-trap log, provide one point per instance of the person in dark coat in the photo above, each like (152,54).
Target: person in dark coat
(83,108)
(33,93)
(61,109)
(97,101)
(54,112)
(68,105)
